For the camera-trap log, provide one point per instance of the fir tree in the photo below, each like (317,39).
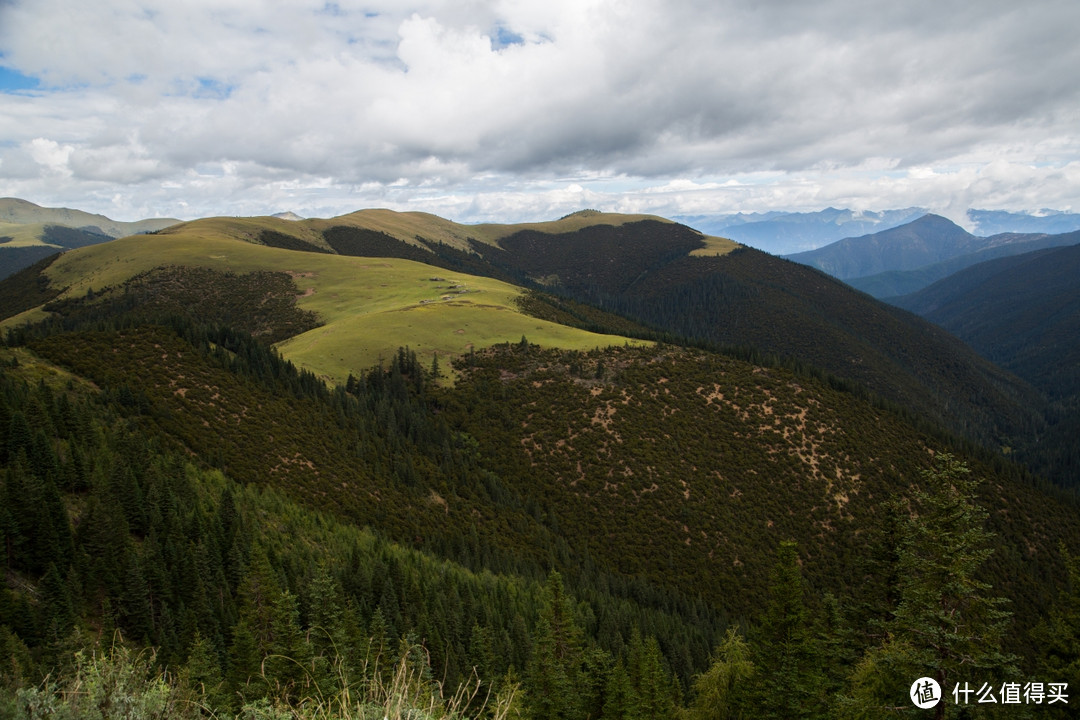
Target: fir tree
(1058,634)
(722,691)
(947,624)
(554,680)
(791,681)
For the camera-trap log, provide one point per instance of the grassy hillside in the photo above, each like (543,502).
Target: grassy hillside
(366,309)
(681,284)
(212,496)
(22,212)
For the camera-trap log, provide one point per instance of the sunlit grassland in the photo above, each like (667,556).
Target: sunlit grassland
(715,246)
(368,306)
(24,235)
(247,228)
(407,226)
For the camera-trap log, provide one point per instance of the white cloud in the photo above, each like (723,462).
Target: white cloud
(499,106)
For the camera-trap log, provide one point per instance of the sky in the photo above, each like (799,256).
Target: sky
(518,110)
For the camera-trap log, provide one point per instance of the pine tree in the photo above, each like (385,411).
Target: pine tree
(722,691)
(947,625)
(618,695)
(289,664)
(553,678)
(243,679)
(58,613)
(790,655)
(1058,634)
(650,682)
(202,672)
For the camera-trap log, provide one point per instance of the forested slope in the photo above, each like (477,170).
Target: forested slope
(603,533)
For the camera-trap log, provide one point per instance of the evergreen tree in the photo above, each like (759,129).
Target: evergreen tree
(947,625)
(288,665)
(135,602)
(723,691)
(243,679)
(554,677)
(1058,634)
(650,682)
(202,672)
(790,683)
(58,613)
(618,695)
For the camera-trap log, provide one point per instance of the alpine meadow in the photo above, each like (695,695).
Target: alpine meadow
(386,465)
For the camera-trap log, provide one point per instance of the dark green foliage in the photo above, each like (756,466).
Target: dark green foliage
(555,679)
(57,611)
(571,259)
(362,242)
(725,690)
(213,495)
(1058,634)
(30,289)
(272,238)
(1023,313)
(790,679)
(262,304)
(947,624)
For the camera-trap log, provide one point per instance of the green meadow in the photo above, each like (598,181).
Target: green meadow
(368,306)
(23,235)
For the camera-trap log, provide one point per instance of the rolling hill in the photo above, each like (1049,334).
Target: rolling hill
(233,441)
(366,308)
(668,279)
(1022,312)
(29,233)
(23,212)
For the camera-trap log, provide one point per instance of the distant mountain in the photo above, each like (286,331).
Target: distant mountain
(22,212)
(928,240)
(993,222)
(287,215)
(29,232)
(782,233)
(894,283)
(1022,312)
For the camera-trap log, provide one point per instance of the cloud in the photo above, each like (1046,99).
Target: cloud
(500,105)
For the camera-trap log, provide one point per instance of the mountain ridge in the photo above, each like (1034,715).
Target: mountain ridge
(275,528)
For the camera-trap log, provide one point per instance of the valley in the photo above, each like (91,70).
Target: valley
(577,464)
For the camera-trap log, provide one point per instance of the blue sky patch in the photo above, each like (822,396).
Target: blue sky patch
(13,81)
(504,38)
(213,88)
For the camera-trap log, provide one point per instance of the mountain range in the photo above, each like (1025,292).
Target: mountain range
(579,460)
(1023,313)
(29,232)
(785,233)
(901,260)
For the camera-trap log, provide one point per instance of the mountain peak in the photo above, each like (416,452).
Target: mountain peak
(287,215)
(930,219)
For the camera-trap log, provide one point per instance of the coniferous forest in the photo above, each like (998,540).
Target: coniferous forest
(194,527)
